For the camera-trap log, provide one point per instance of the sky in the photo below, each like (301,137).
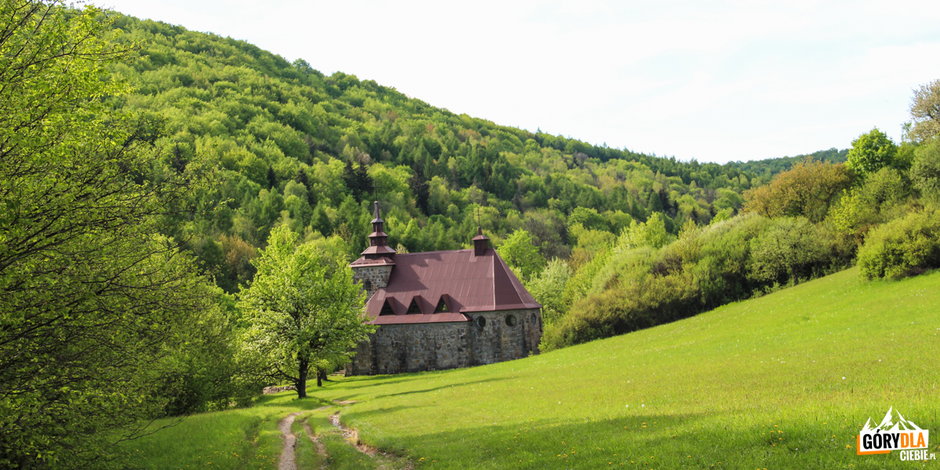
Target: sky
(708,80)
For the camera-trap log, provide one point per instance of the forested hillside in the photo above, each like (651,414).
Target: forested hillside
(294,146)
(147,172)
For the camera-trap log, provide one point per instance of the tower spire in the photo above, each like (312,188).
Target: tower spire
(378,239)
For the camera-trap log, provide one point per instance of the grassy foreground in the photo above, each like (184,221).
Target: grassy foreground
(782,381)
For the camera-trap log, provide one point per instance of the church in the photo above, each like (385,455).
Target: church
(441,309)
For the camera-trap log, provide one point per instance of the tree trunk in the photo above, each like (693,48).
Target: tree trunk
(301,383)
(320,375)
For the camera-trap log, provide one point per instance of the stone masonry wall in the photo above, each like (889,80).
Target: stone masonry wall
(489,337)
(372,278)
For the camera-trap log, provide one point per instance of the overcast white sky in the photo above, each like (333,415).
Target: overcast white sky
(710,80)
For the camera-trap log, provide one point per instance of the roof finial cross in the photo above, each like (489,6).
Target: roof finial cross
(479,225)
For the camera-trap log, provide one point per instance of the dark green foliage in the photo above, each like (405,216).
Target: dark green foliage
(790,250)
(903,247)
(763,170)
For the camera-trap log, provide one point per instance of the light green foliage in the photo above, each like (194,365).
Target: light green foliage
(261,121)
(548,288)
(925,171)
(903,247)
(724,382)
(521,255)
(871,152)
(651,233)
(925,111)
(238,438)
(103,322)
(302,308)
(874,202)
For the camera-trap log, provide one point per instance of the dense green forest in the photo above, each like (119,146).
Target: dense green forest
(293,146)
(144,168)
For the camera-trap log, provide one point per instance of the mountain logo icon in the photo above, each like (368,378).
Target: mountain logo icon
(893,421)
(895,432)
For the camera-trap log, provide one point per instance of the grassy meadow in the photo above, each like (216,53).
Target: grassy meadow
(782,381)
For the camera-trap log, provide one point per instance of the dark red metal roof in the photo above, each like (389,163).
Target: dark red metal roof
(469,283)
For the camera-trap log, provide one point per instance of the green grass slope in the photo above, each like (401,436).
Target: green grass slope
(782,381)
(785,380)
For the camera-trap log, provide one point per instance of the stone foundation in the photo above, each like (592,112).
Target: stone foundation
(487,338)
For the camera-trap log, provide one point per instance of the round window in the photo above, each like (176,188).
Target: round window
(481,322)
(510,320)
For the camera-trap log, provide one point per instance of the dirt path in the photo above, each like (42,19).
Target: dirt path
(288,459)
(352,437)
(383,460)
(321,449)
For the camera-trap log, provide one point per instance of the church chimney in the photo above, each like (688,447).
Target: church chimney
(481,244)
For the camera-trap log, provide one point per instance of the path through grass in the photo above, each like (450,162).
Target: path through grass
(782,381)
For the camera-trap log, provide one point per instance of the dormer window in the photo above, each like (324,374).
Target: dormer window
(442,306)
(413,308)
(386,309)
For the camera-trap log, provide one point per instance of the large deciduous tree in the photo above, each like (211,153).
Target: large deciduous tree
(871,152)
(96,309)
(303,308)
(520,253)
(808,190)
(925,109)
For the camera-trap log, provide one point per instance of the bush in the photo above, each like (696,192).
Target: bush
(903,247)
(634,288)
(807,190)
(925,171)
(792,249)
(870,204)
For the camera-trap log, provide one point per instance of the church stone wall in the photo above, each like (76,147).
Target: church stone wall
(372,278)
(500,336)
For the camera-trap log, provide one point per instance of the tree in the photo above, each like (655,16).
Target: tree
(925,172)
(808,190)
(650,233)
(302,307)
(95,306)
(549,289)
(925,109)
(871,152)
(521,254)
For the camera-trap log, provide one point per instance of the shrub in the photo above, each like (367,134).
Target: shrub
(635,288)
(870,204)
(808,190)
(790,250)
(903,247)
(925,171)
